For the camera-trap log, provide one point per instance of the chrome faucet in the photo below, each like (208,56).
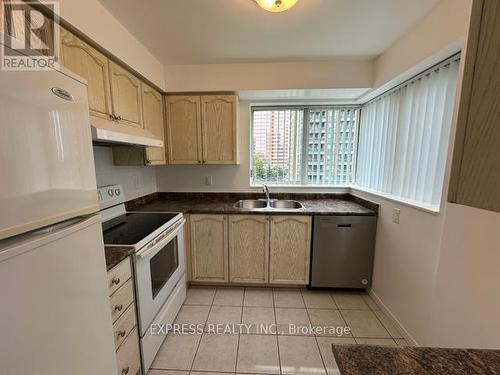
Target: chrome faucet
(267,192)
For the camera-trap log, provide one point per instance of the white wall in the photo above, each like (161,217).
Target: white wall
(466,304)
(92,19)
(406,262)
(438,274)
(443,28)
(270,76)
(136,181)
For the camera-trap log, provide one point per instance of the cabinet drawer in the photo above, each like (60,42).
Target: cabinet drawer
(124,325)
(118,276)
(128,356)
(121,299)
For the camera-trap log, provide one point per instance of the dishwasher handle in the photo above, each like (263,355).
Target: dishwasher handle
(344,225)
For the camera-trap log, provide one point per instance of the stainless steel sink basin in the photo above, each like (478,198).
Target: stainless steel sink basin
(285,204)
(250,203)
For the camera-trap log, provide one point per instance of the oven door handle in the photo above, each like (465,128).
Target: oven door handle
(168,236)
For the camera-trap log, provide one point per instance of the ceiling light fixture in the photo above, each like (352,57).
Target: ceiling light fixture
(276,5)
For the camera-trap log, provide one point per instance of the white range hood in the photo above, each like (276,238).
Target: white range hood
(106,131)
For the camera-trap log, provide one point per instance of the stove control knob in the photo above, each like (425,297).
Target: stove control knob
(110,192)
(117,192)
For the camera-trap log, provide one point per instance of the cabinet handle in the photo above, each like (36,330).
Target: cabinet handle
(118,307)
(115,280)
(112,117)
(125,370)
(122,333)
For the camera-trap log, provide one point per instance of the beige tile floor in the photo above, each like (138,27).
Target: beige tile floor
(278,351)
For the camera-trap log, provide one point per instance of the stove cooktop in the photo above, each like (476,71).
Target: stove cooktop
(132,227)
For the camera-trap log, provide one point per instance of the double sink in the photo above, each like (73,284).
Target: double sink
(271,204)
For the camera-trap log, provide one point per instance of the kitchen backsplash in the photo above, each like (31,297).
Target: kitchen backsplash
(136,181)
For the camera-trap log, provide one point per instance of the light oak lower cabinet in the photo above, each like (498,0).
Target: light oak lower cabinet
(248,249)
(122,302)
(209,248)
(290,249)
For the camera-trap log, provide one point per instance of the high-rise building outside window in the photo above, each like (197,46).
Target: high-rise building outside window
(304,146)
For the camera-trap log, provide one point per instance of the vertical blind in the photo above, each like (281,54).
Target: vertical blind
(404,136)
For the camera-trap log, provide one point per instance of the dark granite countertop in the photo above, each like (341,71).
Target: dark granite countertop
(115,254)
(381,360)
(222,203)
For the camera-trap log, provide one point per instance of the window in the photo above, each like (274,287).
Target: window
(304,146)
(404,136)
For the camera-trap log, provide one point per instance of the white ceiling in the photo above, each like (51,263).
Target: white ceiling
(237,31)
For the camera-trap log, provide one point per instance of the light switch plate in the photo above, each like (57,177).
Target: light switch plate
(396,213)
(209,180)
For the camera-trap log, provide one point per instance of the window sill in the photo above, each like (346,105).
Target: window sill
(325,187)
(434,210)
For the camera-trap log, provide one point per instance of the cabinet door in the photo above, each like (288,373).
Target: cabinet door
(87,62)
(152,107)
(475,176)
(219,117)
(125,95)
(184,129)
(248,248)
(209,251)
(290,249)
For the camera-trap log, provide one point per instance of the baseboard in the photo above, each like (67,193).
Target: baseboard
(393,319)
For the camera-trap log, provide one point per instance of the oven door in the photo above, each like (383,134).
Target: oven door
(158,269)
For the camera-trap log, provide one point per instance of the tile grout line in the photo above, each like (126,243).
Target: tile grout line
(277,334)
(201,338)
(383,325)
(334,302)
(239,332)
(315,338)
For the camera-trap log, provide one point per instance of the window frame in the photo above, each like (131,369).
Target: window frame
(305,108)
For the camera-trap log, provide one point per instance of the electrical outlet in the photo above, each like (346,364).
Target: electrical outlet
(396,213)
(209,180)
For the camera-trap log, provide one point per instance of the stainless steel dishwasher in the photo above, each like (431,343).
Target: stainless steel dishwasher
(342,251)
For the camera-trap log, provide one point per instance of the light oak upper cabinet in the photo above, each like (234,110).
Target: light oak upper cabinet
(219,117)
(202,129)
(475,177)
(184,130)
(126,95)
(248,248)
(87,62)
(209,248)
(152,107)
(290,249)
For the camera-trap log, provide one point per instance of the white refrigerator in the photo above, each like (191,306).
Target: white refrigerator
(54,309)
